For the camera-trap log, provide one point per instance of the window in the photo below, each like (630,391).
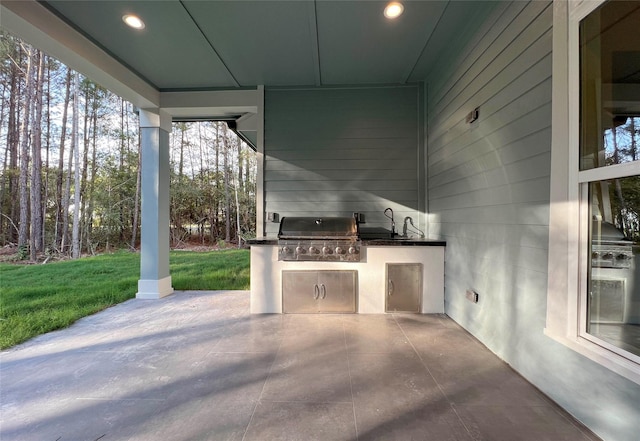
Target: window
(593,299)
(612,296)
(610,136)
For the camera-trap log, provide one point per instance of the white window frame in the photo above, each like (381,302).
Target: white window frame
(568,235)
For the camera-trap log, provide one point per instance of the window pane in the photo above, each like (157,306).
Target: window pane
(613,304)
(610,85)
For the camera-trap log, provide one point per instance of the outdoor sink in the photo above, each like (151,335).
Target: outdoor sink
(375,233)
(389,238)
(381,235)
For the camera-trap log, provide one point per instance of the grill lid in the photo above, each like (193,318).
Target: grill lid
(316,228)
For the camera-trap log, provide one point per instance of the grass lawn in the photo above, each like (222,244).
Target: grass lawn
(35,299)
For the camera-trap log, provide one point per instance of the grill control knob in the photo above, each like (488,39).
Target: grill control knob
(339,250)
(326,250)
(299,250)
(286,250)
(353,250)
(313,250)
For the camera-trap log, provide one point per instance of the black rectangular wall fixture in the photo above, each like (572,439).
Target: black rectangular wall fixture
(472,116)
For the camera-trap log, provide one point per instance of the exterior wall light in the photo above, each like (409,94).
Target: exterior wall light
(133,21)
(393,10)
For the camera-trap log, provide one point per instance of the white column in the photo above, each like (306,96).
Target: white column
(155,281)
(261,229)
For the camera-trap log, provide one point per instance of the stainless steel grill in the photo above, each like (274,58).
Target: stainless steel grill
(318,239)
(610,254)
(611,250)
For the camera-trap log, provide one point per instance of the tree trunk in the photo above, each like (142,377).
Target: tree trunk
(634,145)
(239,238)
(13,140)
(227,196)
(3,178)
(215,227)
(24,152)
(239,189)
(118,193)
(616,158)
(202,216)
(36,244)
(92,182)
(136,208)
(89,104)
(183,129)
(240,179)
(60,203)
(66,197)
(47,149)
(76,184)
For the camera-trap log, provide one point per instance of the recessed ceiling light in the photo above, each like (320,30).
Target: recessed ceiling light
(133,21)
(393,10)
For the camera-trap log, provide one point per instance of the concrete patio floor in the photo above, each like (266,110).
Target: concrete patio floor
(198,366)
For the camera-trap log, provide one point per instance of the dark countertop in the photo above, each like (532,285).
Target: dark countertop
(263,241)
(397,242)
(403,242)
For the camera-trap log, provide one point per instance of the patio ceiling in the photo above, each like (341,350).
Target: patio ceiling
(195,44)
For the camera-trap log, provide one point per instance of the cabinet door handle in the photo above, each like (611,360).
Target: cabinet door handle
(316,292)
(323,291)
(391,287)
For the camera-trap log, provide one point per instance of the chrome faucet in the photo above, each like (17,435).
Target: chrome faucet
(393,224)
(408,220)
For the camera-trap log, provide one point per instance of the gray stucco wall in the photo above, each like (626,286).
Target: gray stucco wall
(488,197)
(338,151)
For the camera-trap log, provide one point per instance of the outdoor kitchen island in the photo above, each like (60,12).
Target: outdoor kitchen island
(385,270)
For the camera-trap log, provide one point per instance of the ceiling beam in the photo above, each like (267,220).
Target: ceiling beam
(209,104)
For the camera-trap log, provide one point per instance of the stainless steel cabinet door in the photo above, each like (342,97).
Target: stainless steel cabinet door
(319,291)
(337,291)
(404,287)
(300,291)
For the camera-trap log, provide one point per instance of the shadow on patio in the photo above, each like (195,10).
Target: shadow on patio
(197,365)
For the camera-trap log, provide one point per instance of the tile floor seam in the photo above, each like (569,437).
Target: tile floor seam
(237,352)
(305,401)
(264,385)
(451,404)
(353,400)
(422,360)
(117,399)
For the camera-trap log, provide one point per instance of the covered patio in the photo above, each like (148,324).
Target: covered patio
(199,366)
(462,116)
